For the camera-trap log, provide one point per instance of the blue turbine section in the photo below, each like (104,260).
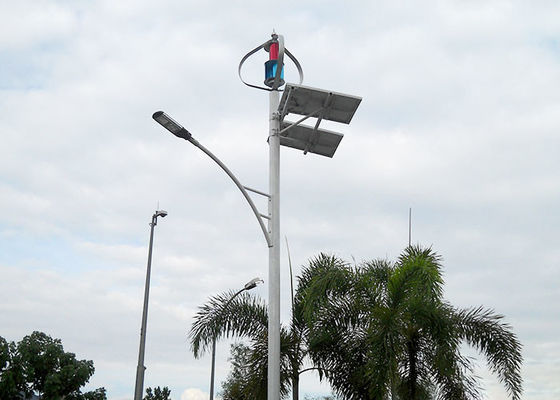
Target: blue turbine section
(270,68)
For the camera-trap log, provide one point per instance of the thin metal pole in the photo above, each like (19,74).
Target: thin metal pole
(213,368)
(141,368)
(409,225)
(273,388)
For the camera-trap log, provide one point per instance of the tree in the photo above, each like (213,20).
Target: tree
(38,364)
(97,394)
(246,316)
(235,385)
(158,393)
(383,330)
(12,381)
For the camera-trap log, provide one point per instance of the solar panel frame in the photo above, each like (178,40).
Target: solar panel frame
(330,105)
(317,141)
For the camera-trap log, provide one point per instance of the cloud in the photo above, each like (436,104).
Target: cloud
(194,394)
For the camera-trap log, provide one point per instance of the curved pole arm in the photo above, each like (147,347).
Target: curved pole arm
(239,186)
(312,369)
(233,297)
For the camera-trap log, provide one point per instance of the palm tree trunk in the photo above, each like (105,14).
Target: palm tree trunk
(413,374)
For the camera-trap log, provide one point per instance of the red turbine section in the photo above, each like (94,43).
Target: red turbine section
(273,51)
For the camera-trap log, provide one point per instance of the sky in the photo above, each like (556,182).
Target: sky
(459,122)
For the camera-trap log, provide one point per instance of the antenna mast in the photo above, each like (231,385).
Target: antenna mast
(409,225)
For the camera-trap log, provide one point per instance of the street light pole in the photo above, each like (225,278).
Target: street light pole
(274,79)
(248,286)
(273,390)
(139,387)
(299,100)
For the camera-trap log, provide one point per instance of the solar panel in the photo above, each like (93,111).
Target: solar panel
(317,141)
(305,100)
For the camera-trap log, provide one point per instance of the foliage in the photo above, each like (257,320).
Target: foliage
(246,316)
(38,364)
(378,330)
(158,393)
(12,381)
(97,394)
(383,330)
(235,386)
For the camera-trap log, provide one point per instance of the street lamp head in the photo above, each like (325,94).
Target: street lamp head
(161,213)
(172,126)
(253,283)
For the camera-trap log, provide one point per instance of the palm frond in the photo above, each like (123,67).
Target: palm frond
(485,331)
(326,276)
(245,315)
(380,329)
(420,270)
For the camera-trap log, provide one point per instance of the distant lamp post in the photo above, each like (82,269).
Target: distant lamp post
(248,286)
(139,388)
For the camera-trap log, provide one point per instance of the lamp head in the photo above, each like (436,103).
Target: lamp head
(161,213)
(172,126)
(253,283)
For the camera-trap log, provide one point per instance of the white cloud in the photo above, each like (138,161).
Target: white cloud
(194,394)
(29,23)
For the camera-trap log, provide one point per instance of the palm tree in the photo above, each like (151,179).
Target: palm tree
(225,316)
(383,330)
(246,316)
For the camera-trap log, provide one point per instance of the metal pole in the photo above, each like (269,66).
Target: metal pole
(213,369)
(273,389)
(139,388)
(409,225)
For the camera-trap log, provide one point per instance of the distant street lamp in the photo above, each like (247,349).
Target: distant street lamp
(248,286)
(139,388)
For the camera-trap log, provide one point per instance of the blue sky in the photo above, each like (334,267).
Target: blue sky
(459,121)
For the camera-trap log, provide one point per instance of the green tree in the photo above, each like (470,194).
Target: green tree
(234,387)
(97,394)
(246,316)
(38,364)
(157,393)
(12,381)
(383,330)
